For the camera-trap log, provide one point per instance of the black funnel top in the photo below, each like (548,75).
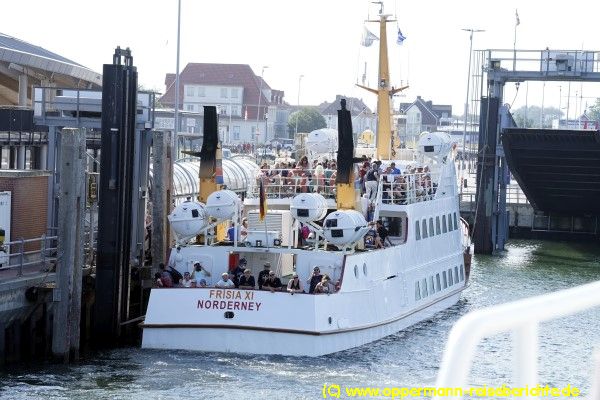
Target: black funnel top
(345,156)
(208,153)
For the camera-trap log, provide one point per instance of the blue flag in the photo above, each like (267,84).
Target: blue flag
(401,37)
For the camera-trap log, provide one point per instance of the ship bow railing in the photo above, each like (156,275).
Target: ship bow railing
(522,319)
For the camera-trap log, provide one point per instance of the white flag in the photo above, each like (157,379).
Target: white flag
(367,38)
(518,22)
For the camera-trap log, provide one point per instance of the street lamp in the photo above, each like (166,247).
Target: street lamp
(471,32)
(262,72)
(175,141)
(298,103)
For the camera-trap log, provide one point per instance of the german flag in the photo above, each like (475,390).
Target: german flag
(263,201)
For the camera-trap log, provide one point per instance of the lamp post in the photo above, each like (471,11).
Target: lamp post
(175,146)
(298,104)
(262,72)
(471,32)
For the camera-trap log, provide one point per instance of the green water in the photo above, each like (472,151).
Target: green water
(408,358)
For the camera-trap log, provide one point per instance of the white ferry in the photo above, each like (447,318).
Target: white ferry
(419,270)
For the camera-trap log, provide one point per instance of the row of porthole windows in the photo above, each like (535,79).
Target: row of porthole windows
(422,231)
(364,268)
(429,286)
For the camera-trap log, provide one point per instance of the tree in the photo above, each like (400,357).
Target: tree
(531,117)
(594,111)
(308,119)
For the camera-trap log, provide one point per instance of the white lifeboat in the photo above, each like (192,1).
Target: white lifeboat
(222,204)
(309,207)
(436,145)
(188,219)
(344,227)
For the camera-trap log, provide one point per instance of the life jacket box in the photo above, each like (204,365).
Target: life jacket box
(260,238)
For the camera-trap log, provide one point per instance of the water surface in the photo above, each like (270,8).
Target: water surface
(408,358)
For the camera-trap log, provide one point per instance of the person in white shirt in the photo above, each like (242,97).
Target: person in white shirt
(225,282)
(187,280)
(200,275)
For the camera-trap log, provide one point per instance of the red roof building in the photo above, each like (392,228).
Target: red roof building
(246,103)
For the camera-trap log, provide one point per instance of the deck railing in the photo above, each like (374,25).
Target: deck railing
(285,183)
(22,258)
(521,318)
(404,189)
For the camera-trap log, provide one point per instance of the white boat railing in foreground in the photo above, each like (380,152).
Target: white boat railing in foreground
(522,319)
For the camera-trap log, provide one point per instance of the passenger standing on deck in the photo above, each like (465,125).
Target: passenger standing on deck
(244,230)
(295,284)
(325,286)
(371,179)
(231,232)
(165,276)
(225,282)
(264,274)
(247,280)
(239,271)
(199,275)
(272,283)
(314,279)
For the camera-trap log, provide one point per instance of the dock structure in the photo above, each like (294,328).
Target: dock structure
(497,134)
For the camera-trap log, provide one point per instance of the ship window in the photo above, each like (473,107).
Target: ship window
(450,228)
(462,274)
(455,274)
(302,212)
(417,230)
(455,221)
(424,226)
(417,291)
(444,226)
(195,213)
(450,281)
(365,269)
(438,285)
(444,280)
(438,230)
(356,271)
(431,285)
(424,287)
(431,230)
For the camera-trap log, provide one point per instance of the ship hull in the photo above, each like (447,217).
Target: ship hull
(272,341)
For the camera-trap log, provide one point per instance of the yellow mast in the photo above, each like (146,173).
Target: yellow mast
(385,133)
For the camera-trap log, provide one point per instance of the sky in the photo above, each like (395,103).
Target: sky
(319,39)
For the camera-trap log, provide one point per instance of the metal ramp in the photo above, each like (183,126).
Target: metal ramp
(558,170)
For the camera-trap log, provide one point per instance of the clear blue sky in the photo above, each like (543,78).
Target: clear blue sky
(316,38)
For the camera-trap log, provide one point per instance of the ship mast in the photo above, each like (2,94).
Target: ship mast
(385,132)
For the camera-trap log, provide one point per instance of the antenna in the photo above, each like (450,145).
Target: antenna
(380,6)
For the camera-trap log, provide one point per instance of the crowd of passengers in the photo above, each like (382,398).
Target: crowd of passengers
(288,179)
(241,278)
(303,177)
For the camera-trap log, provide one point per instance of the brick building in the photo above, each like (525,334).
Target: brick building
(29,204)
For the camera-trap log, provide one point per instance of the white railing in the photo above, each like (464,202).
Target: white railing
(22,258)
(407,188)
(521,318)
(288,182)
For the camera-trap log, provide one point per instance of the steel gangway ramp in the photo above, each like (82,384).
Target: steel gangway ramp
(558,170)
